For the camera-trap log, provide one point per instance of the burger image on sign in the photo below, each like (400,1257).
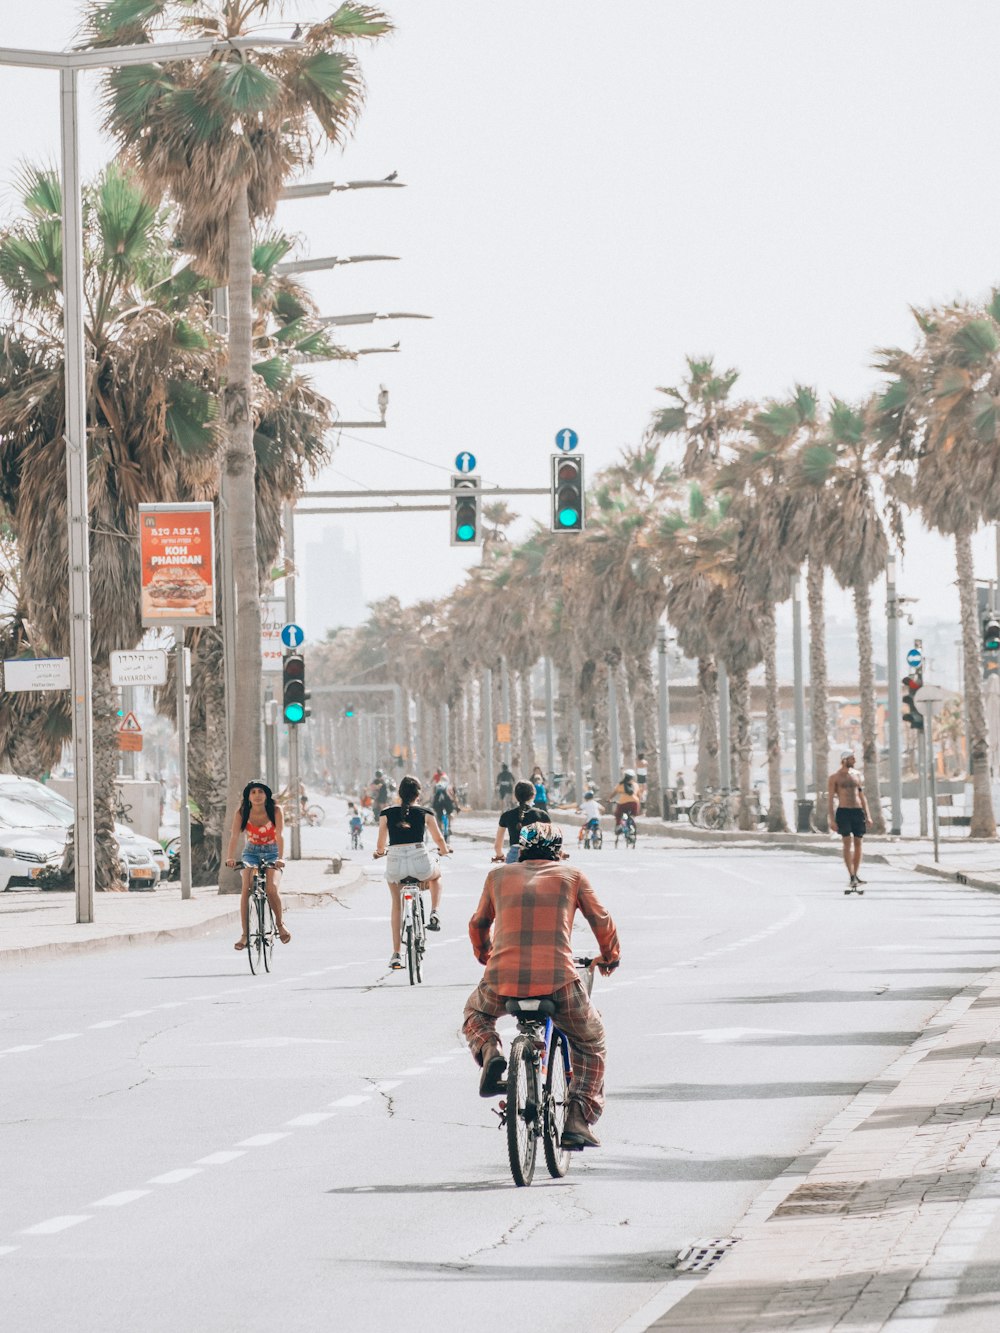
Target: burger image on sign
(177,588)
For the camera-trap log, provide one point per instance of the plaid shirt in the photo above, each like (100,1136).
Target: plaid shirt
(530,906)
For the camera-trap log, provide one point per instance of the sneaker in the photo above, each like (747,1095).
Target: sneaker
(858,880)
(434,923)
(396,962)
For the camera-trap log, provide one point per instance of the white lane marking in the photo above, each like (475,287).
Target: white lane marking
(140,1013)
(311,1118)
(175,1177)
(440,1059)
(120,1199)
(383,1085)
(64,1036)
(108,1023)
(714,1036)
(411,1073)
(736,874)
(261,1140)
(354,1099)
(15,1050)
(55,1224)
(8,1249)
(220,1158)
(173,1004)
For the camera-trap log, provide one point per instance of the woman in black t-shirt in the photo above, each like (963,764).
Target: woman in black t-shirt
(401,830)
(512,821)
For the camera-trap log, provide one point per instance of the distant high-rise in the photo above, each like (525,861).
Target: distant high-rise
(329,587)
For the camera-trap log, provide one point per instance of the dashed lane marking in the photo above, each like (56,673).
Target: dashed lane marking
(262,1140)
(16,1050)
(221,1158)
(353,1099)
(310,1118)
(108,1023)
(385,1085)
(120,1199)
(55,1224)
(175,1177)
(64,1036)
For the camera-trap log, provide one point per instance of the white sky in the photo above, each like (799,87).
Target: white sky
(594,191)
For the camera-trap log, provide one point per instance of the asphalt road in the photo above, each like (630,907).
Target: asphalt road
(188,1146)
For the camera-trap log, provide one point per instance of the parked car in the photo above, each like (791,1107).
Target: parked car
(29,845)
(145,858)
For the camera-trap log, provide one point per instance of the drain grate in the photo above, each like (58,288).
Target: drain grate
(702,1255)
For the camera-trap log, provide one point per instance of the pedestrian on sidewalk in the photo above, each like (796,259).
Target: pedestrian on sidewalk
(851,818)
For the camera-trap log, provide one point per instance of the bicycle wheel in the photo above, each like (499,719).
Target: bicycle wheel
(420,932)
(268,934)
(597,839)
(255,934)
(315,814)
(410,949)
(522,1111)
(556,1105)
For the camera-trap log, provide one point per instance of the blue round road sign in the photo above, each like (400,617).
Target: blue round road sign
(465,462)
(292,636)
(567,439)
(914,657)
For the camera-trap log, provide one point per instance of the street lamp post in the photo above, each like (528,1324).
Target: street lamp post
(799,690)
(664,717)
(892,708)
(68,64)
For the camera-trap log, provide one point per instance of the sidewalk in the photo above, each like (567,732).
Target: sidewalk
(35,925)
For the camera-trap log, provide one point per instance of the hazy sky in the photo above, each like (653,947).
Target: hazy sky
(593,192)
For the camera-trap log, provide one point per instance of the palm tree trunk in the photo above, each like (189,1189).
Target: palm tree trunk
(742,745)
(818,707)
(527,744)
(707,773)
(776,821)
(647,716)
(519,762)
(626,714)
(866,681)
(105,705)
(601,775)
(240,465)
(983,821)
(408,738)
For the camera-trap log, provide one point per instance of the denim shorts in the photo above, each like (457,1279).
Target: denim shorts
(408,858)
(260,855)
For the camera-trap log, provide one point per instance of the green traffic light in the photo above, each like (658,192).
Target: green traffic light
(465,532)
(294,712)
(568,518)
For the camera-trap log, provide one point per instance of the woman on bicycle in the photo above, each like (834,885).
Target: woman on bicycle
(401,830)
(512,821)
(263,825)
(626,798)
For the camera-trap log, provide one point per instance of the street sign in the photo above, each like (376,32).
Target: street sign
(465,462)
(915,657)
(36,673)
(503,733)
(272,618)
(292,636)
(567,439)
(144,666)
(131,724)
(128,741)
(933,694)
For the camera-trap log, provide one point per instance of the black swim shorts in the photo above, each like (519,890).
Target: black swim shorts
(851,823)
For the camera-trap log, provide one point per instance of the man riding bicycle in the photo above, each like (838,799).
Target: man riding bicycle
(522,930)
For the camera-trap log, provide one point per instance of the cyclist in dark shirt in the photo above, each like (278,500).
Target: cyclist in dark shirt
(514,819)
(505,785)
(401,830)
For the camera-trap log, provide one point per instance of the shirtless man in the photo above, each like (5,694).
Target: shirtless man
(852,815)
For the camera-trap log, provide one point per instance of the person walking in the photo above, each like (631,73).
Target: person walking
(846,792)
(505,786)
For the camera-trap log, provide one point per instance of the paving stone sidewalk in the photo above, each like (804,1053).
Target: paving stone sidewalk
(33,925)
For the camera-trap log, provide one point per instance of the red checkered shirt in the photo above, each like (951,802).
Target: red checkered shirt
(530,906)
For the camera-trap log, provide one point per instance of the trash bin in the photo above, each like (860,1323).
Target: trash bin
(803,815)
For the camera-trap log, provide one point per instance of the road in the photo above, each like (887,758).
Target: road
(187,1146)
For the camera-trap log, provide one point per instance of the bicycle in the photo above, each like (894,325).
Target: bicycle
(357,839)
(314,815)
(538,1078)
(413,927)
(593,838)
(627,830)
(261,929)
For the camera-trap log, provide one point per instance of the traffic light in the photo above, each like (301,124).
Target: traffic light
(911,714)
(465,511)
(567,493)
(991,633)
(293,689)
(349,710)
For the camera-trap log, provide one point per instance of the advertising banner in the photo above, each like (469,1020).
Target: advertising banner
(177,550)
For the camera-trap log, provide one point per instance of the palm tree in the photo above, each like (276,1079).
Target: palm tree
(150,414)
(842,465)
(222,136)
(937,427)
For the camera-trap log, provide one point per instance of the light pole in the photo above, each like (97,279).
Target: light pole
(892,709)
(799,690)
(724,751)
(550,726)
(664,717)
(69,64)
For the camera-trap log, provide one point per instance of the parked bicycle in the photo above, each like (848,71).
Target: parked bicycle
(261,928)
(413,928)
(538,1078)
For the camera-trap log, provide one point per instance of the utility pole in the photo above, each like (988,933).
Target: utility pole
(578,748)
(486,707)
(725,772)
(550,726)
(895,766)
(799,689)
(293,729)
(506,747)
(614,738)
(663,703)
(184,812)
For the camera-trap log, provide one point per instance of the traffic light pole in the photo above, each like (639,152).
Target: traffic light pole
(293,731)
(895,767)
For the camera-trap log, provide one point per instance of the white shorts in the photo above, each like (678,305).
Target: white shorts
(409,858)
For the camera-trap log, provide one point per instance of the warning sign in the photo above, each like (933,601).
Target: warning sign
(130,725)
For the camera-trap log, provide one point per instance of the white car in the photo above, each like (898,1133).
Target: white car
(29,845)
(146,859)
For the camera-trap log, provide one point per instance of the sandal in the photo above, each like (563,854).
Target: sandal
(284,936)
(240,944)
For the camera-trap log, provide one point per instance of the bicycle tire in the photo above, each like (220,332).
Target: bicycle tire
(597,840)
(556,1102)
(420,929)
(254,941)
(521,1111)
(315,814)
(268,935)
(410,949)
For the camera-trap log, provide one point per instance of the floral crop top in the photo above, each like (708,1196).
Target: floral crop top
(260,835)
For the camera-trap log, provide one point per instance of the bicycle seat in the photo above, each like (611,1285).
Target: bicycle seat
(534,1006)
(410,879)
